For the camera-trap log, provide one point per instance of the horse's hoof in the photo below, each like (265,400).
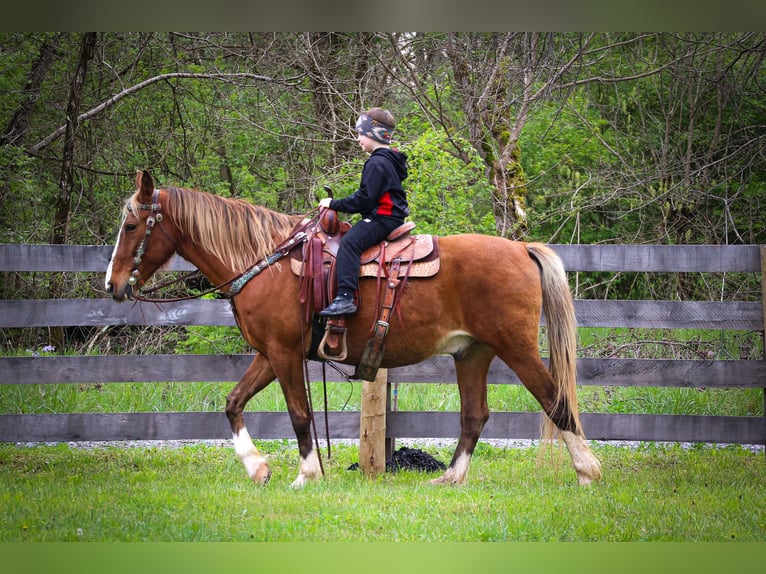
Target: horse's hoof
(299,482)
(585,479)
(444,479)
(262,475)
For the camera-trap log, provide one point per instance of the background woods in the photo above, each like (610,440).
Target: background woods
(565,138)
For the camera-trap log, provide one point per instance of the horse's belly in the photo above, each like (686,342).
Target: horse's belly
(455,343)
(401,351)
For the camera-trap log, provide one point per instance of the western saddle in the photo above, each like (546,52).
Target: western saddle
(400,256)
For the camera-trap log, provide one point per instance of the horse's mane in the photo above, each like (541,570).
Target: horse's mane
(235,231)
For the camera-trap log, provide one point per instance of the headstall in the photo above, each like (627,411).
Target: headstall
(154,207)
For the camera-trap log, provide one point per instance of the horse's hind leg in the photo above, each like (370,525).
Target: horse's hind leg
(534,375)
(257,376)
(586,464)
(471,371)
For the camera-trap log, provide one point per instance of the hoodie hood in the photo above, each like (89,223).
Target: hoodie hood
(398,159)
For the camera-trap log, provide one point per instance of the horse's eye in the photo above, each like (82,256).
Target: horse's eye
(130,227)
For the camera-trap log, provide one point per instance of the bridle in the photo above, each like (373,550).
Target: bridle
(237,282)
(135,275)
(154,207)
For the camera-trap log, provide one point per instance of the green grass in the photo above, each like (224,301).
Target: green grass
(189,397)
(693,344)
(201,493)
(159,397)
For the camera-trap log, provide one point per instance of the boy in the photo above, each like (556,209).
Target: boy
(380,199)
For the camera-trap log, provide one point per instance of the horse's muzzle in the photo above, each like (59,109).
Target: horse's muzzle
(120,295)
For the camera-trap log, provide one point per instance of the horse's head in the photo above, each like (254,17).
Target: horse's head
(143,244)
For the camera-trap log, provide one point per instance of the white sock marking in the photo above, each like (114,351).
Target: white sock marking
(247,453)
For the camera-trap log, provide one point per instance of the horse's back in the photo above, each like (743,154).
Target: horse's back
(496,263)
(484,284)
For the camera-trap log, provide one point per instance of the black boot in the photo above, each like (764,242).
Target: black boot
(339,306)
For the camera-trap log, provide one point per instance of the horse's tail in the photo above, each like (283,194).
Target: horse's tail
(562,332)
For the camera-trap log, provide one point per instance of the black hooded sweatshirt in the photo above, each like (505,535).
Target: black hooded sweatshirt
(380,192)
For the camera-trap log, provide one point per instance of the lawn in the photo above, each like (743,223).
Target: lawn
(201,493)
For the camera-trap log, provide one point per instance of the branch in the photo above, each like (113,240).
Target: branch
(105,105)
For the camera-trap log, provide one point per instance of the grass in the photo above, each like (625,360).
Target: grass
(201,493)
(189,397)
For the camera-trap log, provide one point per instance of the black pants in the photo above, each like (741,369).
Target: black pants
(364,234)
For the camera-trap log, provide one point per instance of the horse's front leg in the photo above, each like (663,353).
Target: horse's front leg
(290,373)
(257,376)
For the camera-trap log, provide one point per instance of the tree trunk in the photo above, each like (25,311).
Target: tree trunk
(17,128)
(60,231)
(492,129)
(509,195)
(19,124)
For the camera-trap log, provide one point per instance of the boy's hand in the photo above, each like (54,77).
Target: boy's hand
(325,202)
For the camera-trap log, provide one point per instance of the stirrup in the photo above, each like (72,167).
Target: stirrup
(333,346)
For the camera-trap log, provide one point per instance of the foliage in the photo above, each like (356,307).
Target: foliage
(447,195)
(607,138)
(621,137)
(560,159)
(206,339)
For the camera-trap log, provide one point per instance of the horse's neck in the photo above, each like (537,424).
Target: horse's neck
(216,271)
(209,265)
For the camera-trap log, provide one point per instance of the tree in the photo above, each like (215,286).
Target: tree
(591,137)
(66,179)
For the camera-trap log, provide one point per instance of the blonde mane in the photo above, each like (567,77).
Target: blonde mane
(235,231)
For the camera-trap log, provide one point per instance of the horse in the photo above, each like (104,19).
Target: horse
(484,302)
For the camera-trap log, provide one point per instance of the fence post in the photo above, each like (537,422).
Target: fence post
(372,425)
(392,397)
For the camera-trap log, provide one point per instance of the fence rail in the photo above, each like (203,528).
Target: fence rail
(723,315)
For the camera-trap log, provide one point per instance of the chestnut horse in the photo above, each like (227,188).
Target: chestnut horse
(484,302)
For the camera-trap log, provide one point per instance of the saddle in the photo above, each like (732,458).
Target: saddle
(400,256)
(418,256)
(418,253)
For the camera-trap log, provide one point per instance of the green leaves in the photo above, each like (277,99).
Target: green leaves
(447,194)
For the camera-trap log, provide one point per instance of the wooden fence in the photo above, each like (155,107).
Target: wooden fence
(723,315)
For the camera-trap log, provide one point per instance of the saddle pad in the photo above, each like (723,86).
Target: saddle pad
(426,253)
(409,248)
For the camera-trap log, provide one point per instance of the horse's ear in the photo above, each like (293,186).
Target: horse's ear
(145,185)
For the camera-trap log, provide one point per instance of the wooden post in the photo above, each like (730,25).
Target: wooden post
(391,405)
(372,425)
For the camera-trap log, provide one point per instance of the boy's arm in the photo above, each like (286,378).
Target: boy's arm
(365,199)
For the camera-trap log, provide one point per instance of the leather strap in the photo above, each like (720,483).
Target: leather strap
(381,326)
(317,273)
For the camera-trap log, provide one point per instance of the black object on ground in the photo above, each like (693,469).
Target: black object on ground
(410,459)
